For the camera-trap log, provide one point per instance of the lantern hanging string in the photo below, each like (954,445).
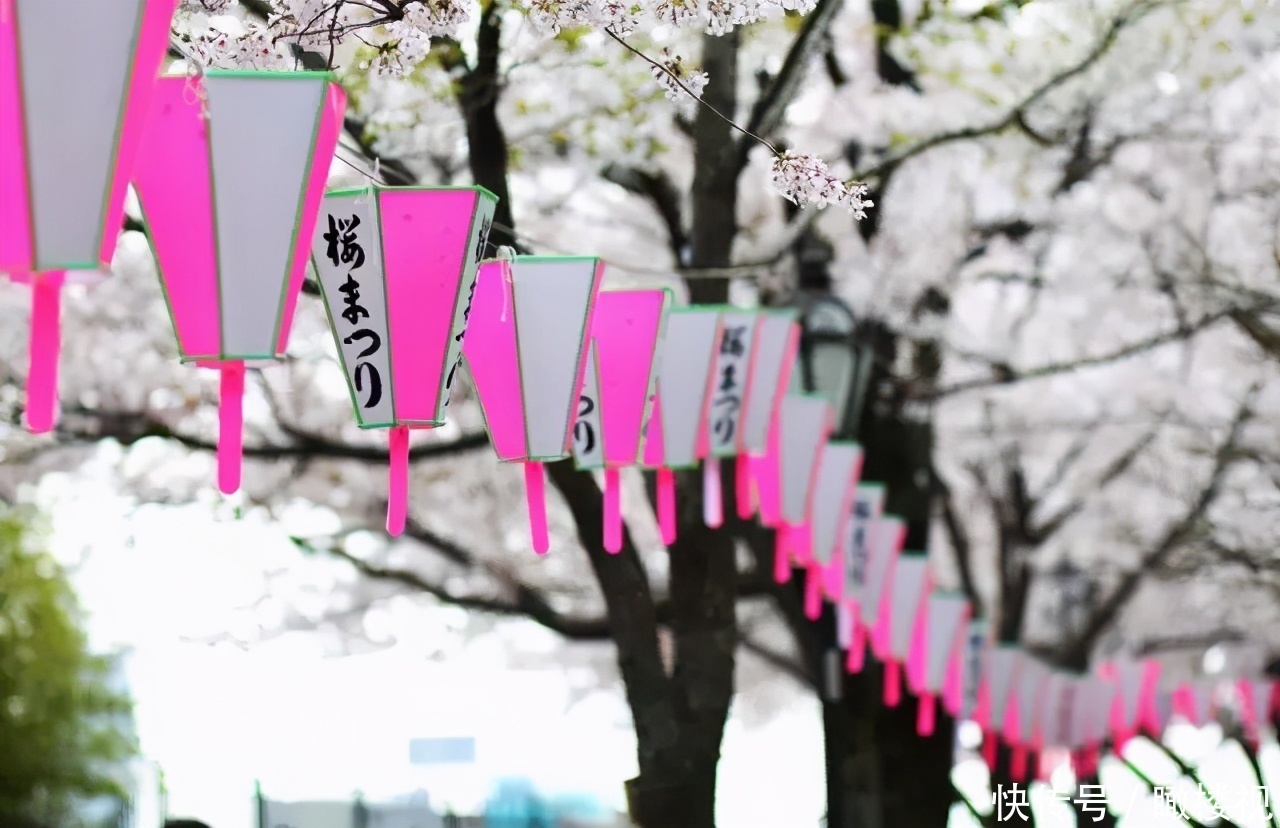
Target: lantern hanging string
(746,270)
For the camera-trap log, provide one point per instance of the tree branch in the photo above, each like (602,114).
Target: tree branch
(1011,119)
(771,107)
(1008,376)
(85,425)
(1077,651)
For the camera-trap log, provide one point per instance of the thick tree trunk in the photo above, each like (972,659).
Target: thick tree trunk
(895,776)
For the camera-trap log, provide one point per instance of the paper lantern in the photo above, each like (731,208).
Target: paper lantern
(230,176)
(75,83)
(1135,686)
(802,427)
(397,269)
(774,346)
(995,695)
(944,638)
(526,350)
(888,534)
(836,485)
(868,506)
(1020,735)
(725,411)
(1259,699)
(906,609)
(685,388)
(618,390)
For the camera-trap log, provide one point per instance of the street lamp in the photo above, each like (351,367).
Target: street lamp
(1073,596)
(832,362)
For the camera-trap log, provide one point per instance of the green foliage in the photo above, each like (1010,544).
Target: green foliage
(59,720)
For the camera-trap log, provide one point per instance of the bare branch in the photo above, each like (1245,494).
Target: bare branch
(1106,612)
(1018,112)
(1007,375)
(87,425)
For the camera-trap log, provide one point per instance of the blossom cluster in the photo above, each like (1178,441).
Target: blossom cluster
(400,43)
(804,179)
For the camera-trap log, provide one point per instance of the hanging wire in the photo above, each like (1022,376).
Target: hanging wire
(740,271)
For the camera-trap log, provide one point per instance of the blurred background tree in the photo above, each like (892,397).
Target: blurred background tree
(60,737)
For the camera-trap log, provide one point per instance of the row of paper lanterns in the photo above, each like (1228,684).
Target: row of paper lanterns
(230,170)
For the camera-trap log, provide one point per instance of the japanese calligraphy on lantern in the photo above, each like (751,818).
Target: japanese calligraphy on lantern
(975,645)
(482,223)
(347,255)
(588,438)
(733,359)
(868,505)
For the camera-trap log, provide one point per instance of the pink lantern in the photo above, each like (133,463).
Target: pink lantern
(905,614)
(1259,699)
(774,347)
(618,390)
(948,619)
(230,175)
(75,84)
(996,700)
(397,268)
(526,349)
(801,430)
(888,534)
(868,506)
(836,485)
(685,388)
(725,413)
(1020,730)
(1135,687)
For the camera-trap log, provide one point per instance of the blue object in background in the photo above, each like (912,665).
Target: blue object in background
(516,804)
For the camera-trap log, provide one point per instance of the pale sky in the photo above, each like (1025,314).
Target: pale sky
(215,718)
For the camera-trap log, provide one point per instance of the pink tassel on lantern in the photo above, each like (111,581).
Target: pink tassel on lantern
(230,426)
(1018,763)
(813,592)
(712,495)
(857,649)
(612,510)
(742,486)
(398,480)
(926,714)
(667,505)
(782,554)
(535,486)
(892,683)
(46,345)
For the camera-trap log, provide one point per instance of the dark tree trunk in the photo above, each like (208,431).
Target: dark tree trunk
(895,776)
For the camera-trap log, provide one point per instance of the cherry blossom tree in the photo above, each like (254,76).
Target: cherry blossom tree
(1064,258)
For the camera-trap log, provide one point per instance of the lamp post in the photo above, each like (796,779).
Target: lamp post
(1073,596)
(833,363)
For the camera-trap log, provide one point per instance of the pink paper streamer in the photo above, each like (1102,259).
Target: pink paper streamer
(230,426)
(813,592)
(742,486)
(612,511)
(667,505)
(1018,763)
(712,494)
(926,714)
(398,481)
(857,649)
(46,343)
(535,490)
(892,683)
(989,746)
(781,553)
